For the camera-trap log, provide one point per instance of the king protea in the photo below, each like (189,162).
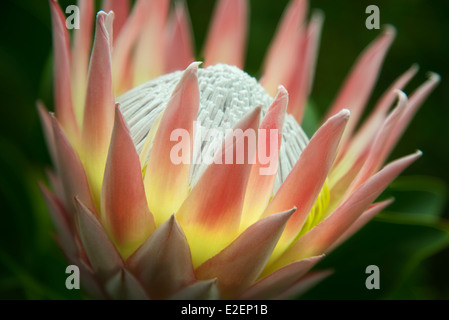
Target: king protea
(140,226)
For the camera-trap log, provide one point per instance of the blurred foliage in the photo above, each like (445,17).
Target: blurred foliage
(408,242)
(398,241)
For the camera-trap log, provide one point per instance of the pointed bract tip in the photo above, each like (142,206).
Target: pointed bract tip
(193,67)
(104,14)
(434,77)
(283,215)
(100,13)
(413,156)
(119,117)
(213,281)
(172,219)
(173,224)
(54,121)
(389,30)
(281,97)
(282,91)
(315,259)
(179,6)
(79,205)
(287,213)
(105,21)
(190,71)
(344,113)
(41,108)
(317,16)
(387,202)
(401,95)
(291,211)
(43,189)
(414,68)
(39,103)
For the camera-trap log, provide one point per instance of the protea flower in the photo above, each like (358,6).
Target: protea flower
(141,226)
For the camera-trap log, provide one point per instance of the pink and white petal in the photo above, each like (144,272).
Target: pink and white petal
(362,140)
(61,73)
(121,12)
(163,263)
(366,216)
(338,188)
(308,281)
(149,53)
(238,265)
(285,48)
(47,127)
(99,109)
(300,83)
(81,48)
(55,184)
(213,208)
(102,254)
(124,44)
(415,101)
(390,95)
(378,152)
(226,41)
(199,290)
(357,151)
(124,286)
(320,238)
(278,281)
(124,209)
(304,183)
(262,177)
(349,166)
(365,154)
(62,222)
(361,80)
(179,42)
(369,128)
(70,171)
(167,179)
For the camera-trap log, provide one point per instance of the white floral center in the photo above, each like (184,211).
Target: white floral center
(226,95)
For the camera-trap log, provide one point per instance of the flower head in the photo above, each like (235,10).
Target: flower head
(140,224)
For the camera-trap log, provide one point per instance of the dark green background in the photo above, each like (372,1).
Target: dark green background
(407,242)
